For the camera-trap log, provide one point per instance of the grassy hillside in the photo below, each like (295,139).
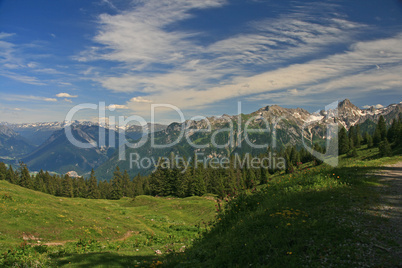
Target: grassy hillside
(146,223)
(316,217)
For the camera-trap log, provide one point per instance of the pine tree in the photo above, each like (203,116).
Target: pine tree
(117,191)
(11,175)
(370,143)
(138,185)
(352,136)
(80,187)
(366,137)
(25,178)
(127,185)
(382,127)
(39,184)
(67,189)
(197,186)
(351,144)
(157,182)
(392,133)
(358,137)
(385,148)
(376,136)
(3,171)
(93,190)
(343,141)
(105,189)
(50,183)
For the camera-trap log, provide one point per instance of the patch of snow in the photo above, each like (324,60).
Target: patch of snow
(297,115)
(314,117)
(343,124)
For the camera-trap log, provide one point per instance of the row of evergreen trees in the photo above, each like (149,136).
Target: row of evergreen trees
(67,186)
(198,181)
(163,182)
(382,138)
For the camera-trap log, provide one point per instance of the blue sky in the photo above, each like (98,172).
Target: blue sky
(201,56)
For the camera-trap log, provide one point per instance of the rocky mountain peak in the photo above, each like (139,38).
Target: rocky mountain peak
(347,105)
(4,130)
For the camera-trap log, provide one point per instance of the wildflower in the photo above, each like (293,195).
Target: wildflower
(288,224)
(289,253)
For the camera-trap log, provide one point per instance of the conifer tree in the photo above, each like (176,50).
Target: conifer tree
(382,127)
(351,135)
(50,183)
(67,189)
(116,191)
(351,144)
(25,179)
(80,187)
(3,171)
(358,137)
(127,185)
(11,175)
(366,137)
(392,133)
(385,148)
(93,190)
(138,185)
(376,136)
(343,141)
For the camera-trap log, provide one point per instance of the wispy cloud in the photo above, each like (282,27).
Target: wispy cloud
(18,62)
(140,100)
(48,71)
(65,95)
(11,97)
(163,64)
(10,62)
(22,78)
(117,107)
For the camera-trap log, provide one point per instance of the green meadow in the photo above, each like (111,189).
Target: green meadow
(318,216)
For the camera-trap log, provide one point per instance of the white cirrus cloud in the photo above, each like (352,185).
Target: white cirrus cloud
(113,107)
(65,95)
(12,97)
(145,39)
(140,100)
(354,69)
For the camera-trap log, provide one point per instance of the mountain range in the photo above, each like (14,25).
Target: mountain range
(46,146)
(285,127)
(12,144)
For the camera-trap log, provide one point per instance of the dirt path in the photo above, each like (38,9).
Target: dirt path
(62,243)
(391,206)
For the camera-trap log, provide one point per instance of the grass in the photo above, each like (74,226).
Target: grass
(118,228)
(316,217)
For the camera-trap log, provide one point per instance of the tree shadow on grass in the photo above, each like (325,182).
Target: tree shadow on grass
(340,228)
(102,259)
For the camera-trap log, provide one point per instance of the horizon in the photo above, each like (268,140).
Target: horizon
(378,106)
(202,57)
